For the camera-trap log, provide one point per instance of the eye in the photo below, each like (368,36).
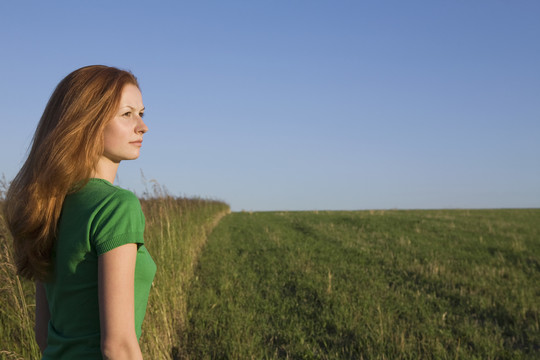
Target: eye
(127,114)
(141,114)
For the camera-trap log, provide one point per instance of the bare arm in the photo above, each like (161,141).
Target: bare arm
(116,276)
(42,317)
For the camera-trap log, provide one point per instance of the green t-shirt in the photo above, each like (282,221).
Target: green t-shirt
(94,220)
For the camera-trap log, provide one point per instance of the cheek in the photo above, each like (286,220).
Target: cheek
(111,136)
(114,132)
(107,143)
(108,138)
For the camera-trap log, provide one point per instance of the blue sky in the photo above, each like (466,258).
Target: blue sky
(301,105)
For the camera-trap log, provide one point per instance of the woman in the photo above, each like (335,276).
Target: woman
(78,236)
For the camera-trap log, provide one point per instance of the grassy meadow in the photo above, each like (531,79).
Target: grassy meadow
(448,284)
(454,284)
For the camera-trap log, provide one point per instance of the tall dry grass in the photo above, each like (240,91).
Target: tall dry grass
(176,230)
(17,306)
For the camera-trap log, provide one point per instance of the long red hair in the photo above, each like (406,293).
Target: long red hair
(65,149)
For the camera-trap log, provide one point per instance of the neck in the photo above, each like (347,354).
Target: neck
(106,169)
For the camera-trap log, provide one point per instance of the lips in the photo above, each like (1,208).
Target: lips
(137,143)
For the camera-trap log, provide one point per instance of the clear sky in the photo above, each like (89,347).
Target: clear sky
(301,105)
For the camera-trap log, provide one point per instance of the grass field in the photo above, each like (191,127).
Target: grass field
(454,284)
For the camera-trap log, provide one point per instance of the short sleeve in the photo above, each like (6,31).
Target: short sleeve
(119,221)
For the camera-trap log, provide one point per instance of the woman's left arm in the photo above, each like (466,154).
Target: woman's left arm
(42,317)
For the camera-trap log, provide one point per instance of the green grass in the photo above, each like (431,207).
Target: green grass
(454,284)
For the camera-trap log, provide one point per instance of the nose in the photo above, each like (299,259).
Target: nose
(141,126)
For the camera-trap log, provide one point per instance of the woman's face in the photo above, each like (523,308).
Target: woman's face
(123,135)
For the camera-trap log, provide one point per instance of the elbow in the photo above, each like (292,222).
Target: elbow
(41,342)
(120,348)
(40,335)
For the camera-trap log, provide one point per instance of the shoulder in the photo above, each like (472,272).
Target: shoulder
(119,221)
(119,211)
(106,195)
(120,203)
(123,197)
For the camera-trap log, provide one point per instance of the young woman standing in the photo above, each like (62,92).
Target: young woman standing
(78,236)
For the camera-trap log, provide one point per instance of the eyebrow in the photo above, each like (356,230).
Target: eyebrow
(132,108)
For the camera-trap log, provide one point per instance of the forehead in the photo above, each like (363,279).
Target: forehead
(131,96)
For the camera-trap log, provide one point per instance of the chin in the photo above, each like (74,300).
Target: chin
(132,156)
